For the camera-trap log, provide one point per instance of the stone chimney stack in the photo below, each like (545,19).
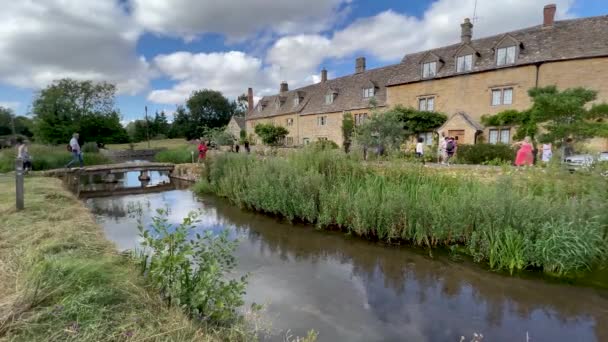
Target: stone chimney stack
(249,99)
(360,65)
(549,15)
(284,87)
(323,75)
(466,31)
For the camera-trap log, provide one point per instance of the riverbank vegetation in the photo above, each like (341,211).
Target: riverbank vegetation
(46,157)
(545,219)
(62,281)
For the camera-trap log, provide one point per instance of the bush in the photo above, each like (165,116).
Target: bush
(485,153)
(543,218)
(271,134)
(321,145)
(177,156)
(90,147)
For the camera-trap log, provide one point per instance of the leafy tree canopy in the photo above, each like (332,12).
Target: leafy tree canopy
(271,134)
(416,121)
(207,108)
(21,124)
(381,129)
(561,114)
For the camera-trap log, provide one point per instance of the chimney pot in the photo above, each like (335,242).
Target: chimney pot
(360,65)
(466,31)
(284,87)
(549,15)
(250,99)
(323,75)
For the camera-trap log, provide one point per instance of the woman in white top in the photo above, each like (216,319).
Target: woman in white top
(23,154)
(546,152)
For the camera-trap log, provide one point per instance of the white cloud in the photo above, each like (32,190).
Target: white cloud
(229,72)
(46,40)
(14,105)
(235,18)
(389,35)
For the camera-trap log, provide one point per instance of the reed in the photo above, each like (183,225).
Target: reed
(528,219)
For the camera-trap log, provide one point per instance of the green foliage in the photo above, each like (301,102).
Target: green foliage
(21,124)
(348,128)
(190,271)
(47,158)
(180,125)
(562,114)
(67,106)
(177,155)
(381,129)
(321,145)
(207,109)
(417,121)
(485,153)
(543,219)
(90,147)
(271,134)
(220,136)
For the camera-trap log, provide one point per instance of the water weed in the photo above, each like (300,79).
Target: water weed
(521,219)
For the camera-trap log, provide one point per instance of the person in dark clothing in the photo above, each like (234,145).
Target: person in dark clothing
(247,146)
(237,148)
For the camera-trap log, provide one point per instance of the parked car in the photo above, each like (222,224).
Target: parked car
(584,161)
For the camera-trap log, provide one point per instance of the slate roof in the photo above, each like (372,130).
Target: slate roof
(349,95)
(240,121)
(566,39)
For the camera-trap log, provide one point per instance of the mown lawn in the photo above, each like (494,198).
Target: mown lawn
(163,143)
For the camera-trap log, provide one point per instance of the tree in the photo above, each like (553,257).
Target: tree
(416,121)
(241,106)
(382,130)
(207,108)
(9,122)
(271,134)
(560,114)
(181,120)
(348,127)
(67,106)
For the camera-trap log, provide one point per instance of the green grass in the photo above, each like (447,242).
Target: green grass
(62,281)
(529,219)
(181,155)
(47,157)
(162,143)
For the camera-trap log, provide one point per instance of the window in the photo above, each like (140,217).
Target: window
(505,56)
(502,136)
(289,141)
(296,101)
(502,96)
(329,98)
(321,120)
(426,104)
(260,108)
(427,138)
(289,122)
(360,118)
(368,92)
(306,141)
(429,69)
(464,63)
(322,138)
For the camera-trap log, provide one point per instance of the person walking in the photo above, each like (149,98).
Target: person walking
(450,149)
(420,149)
(546,151)
(23,154)
(442,153)
(74,147)
(202,150)
(247,146)
(524,153)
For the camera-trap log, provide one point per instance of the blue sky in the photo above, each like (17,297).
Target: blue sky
(158,51)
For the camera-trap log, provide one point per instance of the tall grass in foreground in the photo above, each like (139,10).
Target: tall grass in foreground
(47,157)
(532,219)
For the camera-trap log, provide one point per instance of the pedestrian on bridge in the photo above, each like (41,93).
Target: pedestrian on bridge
(74,148)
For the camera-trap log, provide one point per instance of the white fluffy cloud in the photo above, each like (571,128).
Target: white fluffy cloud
(228,72)
(389,35)
(235,18)
(45,40)
(10,104)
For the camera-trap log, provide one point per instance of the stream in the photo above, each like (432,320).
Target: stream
(349,289)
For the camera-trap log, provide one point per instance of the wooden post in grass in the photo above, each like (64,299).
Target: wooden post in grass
(19,193)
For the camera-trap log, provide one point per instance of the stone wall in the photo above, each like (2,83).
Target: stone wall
(188,172)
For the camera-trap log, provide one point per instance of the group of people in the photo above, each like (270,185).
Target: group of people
(526,153)
(446,149)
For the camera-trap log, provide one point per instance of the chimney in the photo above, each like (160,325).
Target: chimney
(549,15)
(323,75)
(284,87)
(250,99)
(466,31)
(360,65)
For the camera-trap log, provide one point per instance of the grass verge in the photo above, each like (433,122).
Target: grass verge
(47,157)
(61,280)
(154,144)
(524,219)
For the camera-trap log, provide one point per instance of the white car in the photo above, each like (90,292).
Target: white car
(578,161)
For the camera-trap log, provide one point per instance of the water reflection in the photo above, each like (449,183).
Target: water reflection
(352,290)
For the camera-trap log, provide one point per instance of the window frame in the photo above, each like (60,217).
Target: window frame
(322,120)
(427,137)
(329,98)
(369,92)
(501,98)
(426,72)
(289,122)
(506,50)
(499,131)
(296,101)
(360,118)
(425,100)
(306,141)
(464,63)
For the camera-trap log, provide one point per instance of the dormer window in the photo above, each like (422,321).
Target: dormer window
(464,63)
(506,55)
(368,92)
(429,69)
(296,101)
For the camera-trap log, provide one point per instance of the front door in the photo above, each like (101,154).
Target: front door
(458,135)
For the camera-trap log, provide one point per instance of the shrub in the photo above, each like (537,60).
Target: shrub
(485,153)
(321,145)
(90,147)
(271,134)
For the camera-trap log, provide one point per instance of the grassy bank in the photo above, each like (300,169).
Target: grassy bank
(47,157)
(143,145)
(179,155)
(62,281)
(531,219)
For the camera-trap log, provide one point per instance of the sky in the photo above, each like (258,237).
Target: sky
(158,51)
